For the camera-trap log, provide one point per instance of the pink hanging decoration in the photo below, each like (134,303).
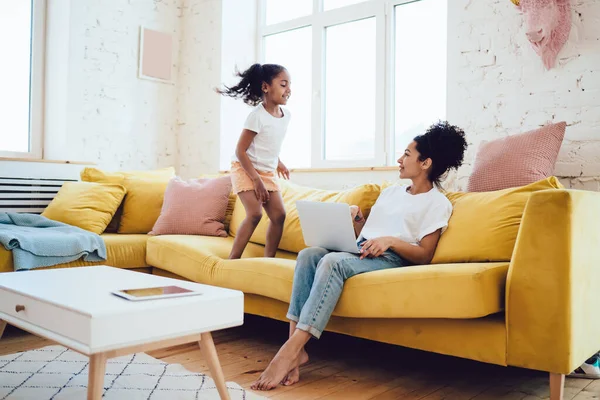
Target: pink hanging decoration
(548,25)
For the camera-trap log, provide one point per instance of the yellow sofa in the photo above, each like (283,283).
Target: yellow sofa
(536,308)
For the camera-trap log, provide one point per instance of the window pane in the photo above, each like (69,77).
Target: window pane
(284,10)
(350,91)
(331,4)
(420,75)
(296,149)
(15,43)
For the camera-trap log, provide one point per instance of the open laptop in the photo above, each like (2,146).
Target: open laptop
(327,225)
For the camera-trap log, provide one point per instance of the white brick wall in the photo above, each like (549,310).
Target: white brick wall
(200,72)
(112,117)
(497,85)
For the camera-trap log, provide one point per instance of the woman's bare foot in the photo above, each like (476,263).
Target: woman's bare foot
(294,375)
(286,359)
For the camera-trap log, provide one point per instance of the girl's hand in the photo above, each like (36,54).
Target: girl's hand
(357,215)
(262,194)
(282,171)
(374,247)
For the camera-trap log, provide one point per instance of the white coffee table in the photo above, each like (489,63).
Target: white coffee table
(75,307)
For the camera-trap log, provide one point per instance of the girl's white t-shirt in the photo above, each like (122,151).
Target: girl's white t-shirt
(406,216)
(270,132)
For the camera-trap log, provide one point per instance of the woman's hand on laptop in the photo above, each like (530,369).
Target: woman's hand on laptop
(374,247)
(357,215)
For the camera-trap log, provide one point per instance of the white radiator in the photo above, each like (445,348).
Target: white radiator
(27,195)
(30,186)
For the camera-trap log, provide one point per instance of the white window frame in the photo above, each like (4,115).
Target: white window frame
(383,11)
(36,85)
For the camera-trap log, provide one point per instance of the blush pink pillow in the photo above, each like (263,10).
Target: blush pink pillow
(517,160)
(194,207)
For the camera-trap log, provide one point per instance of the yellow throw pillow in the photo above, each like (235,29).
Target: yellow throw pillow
(142,204)
(292,240)
(99,176)
(484,225)
(89,206)
(229,213)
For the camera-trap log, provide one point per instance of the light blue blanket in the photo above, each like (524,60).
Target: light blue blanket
(37,241)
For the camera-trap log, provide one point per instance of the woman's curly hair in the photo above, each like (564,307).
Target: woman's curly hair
(249,88)
(445,144)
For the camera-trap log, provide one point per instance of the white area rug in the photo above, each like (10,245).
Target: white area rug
(55,372)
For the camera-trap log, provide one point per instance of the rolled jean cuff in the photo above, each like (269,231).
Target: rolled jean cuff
(307,328)
(292,317)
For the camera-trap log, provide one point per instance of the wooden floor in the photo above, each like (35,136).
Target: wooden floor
(343,367)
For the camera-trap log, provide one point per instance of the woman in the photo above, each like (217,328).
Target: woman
(403,229)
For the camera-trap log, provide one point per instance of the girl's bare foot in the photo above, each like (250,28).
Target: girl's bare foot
(294,375)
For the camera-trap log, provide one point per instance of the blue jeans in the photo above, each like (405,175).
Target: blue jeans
(319,279)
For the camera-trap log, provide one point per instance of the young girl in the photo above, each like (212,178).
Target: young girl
(403,229)
(266,88)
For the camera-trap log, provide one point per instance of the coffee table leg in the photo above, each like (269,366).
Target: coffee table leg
(2,326)
(207,346)
(96,376)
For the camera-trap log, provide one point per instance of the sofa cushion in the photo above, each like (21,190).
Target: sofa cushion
(89,206)
(231,201)
(122,251)
(125,251)
(426,291)
(194,207)
(141,186)
(484,226)
(292,239)
(142,204)
(433,291)
(195,257)
(517,160)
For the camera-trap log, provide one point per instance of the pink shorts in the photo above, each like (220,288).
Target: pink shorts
(242,182)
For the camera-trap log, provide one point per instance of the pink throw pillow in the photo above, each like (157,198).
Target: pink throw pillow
(194,207)
(517,160)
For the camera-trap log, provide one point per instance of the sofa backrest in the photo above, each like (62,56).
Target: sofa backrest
(292,239)
(484,225)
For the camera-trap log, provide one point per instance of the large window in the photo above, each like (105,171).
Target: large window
(22,46)
(350,105)
(367,76)
(420,68)
(296,58)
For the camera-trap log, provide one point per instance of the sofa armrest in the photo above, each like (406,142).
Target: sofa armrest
(553,284)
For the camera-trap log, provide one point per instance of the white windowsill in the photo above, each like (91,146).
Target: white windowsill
(45,161)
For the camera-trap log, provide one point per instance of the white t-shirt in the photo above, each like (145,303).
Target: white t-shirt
(406,216)
(270,132)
